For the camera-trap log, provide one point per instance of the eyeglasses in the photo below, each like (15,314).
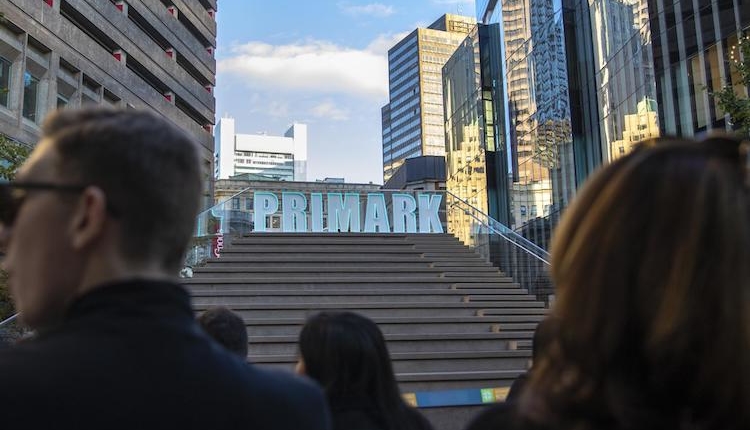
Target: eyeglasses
(13,194)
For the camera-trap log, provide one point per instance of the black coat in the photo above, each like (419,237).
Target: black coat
(130,356)
(359,414)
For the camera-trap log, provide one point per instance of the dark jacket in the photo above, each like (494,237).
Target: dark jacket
(359,414)
(131,356)
(499,416)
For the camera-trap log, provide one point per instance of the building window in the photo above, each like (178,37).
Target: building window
(4,81)
(236,203)
(30,96)
(62,101)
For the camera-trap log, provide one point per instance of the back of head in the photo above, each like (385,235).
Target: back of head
(227,328)
(346,353)
(653,299)
(148,169)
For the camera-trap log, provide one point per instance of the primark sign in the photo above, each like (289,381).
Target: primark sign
(348,212)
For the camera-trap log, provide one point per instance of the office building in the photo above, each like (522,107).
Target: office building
(275,157)
(426,172)
(412,121)
(476,157)
(540,176)
(692,43)
(585,82)
(140,54)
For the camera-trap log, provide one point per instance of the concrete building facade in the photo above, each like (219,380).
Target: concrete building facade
(275,157)
(135,54)
(413,121)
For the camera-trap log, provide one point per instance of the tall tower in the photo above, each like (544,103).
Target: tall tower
(413,122)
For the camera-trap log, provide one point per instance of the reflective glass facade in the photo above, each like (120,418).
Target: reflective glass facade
(692,42)
(538,135)
(476,156)
(624,71)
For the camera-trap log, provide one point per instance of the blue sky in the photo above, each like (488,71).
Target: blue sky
(322,63)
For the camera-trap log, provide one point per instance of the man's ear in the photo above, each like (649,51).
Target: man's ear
(299,368)
(89,217)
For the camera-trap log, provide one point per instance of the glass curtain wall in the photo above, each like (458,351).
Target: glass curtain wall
(692,43)
(476,155)
(542,177)
(624,71)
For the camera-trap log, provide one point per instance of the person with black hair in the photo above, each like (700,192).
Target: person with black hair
(227,328)
(347,355)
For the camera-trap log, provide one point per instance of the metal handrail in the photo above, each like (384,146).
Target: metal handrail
(9,320)
(223,201)
(501,234)
(505,231)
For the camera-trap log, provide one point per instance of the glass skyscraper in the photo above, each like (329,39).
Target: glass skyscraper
(473,101)
(537,137)
(412,121)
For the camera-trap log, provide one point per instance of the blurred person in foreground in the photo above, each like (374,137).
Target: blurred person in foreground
(94,228)
(227,328)
(347,355)
(652,269)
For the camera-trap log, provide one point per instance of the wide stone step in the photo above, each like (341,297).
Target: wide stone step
(431,381)
(488,311)
(508,294)
(495,319)
(217,266)
(344,235)
(302,274)
(416,362)
(363,296)
(243,289)
(472,273)
(477,285)
(374,310)
(393,280)
(477,326)
(443,342)
(345,240)
(373,251)
(458,257)
(233,289)
(460,264)
(280,264)
(315,248)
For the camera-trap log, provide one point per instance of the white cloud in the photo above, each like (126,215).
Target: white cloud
(314,66)
(378,10)
(277,109)
(384,42)
(328,110)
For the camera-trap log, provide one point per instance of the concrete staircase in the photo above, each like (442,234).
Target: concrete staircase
(451,319)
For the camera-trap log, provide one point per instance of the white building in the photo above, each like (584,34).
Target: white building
(275,157)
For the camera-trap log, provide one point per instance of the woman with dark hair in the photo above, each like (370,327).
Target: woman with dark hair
(346,354)
(652,269)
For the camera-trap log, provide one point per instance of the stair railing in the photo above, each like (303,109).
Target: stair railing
(10,330)
(523,260)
